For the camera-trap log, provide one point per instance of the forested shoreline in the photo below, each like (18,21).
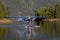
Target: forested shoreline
(51,12)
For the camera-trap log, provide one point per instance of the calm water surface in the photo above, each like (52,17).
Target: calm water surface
(46,31)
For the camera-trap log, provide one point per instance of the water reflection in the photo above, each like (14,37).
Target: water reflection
(25,34)
(46,31)
(22,32)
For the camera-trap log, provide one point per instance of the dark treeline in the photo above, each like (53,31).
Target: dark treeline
(51,12)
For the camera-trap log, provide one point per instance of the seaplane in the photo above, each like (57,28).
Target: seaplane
(28,18)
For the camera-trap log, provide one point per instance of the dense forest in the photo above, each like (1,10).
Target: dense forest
(51,12)
(3,10)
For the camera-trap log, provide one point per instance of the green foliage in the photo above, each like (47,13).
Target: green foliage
(40,12)
(57,10)
(49,11)
(3,10)
(45,11)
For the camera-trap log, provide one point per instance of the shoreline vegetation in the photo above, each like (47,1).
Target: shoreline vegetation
(7,21)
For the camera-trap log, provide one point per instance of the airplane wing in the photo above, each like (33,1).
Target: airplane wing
(14,16)
(25,17)
(28,18)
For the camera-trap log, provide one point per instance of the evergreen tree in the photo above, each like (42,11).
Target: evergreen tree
(57,10)
(49,11)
